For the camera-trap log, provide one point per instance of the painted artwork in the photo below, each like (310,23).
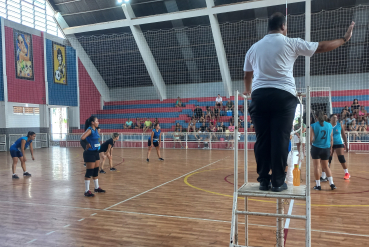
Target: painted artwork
(59,61)
(23,55)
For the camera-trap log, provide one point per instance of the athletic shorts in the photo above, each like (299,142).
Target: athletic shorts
(16,153)
(155,143)
(320,153)
(338,146)
(91,156)
(297,140)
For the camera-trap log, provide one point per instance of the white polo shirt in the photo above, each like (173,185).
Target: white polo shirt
(218,99)
(272,59)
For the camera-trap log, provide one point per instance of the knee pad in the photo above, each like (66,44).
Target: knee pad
(89,173)
(341,159)
(330,159)
(96,171)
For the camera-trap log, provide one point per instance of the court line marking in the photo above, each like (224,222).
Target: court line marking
(299,204)
(81,219)
(361,153)
(287,223)
(66,226)
(188,218)
(93,214)
(164,183)
(50,232)
(33,240)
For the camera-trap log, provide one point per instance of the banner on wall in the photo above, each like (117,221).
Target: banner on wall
(23,55)
(59,64)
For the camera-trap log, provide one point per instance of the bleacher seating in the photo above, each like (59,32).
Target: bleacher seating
(114,114)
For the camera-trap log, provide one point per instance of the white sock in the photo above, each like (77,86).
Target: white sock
(324,175)
(96,183)
(317,182)
(87,185)
(346,170)
(25,172)
(330,179)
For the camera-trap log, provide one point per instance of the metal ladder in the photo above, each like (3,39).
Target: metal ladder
(252,189)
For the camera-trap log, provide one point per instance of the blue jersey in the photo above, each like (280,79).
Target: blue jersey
(322,135)
(337,138)
(18,143)
(289,146)
(93,139)
(156,135)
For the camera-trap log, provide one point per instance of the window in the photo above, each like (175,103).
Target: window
(33,13)
(36,111)
(28,110)
(17,110)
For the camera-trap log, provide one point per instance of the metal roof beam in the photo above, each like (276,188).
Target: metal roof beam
(146,54)
(178,15)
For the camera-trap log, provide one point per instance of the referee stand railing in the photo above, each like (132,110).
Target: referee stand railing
(248,189)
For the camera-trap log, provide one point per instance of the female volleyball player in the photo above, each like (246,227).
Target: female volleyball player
(339,136)
(106,150)
(321,137)
(154,140)
(17,151)
(90,142)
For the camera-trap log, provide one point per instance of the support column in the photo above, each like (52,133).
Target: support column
(146,54)
(221,54)
(4,118)
(87,63)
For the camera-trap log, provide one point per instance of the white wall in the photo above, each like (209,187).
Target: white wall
(22,121)
(335,82)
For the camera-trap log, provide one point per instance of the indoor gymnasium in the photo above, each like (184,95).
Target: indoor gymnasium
(165,123)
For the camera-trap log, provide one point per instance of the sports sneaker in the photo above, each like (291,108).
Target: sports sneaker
(99,190)
(27,174)
(333,187)
(323,179)
(161,159)
(147,160)
(113,169)
(347,176)
(102,171)
(89,194)
(15,176)
(317,187)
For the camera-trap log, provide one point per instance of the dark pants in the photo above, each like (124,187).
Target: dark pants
(272,112)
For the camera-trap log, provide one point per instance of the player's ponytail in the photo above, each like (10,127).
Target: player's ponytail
(30,133)
(321,118)
(89,121)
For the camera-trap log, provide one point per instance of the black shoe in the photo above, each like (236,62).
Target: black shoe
(102,171)
(317,187)
(147,160)
(99,190)
(26,174)
(265,185)
(15,176)
(84,164)
(333,187)
(161,159)
(113,169)
(89,194)
(323,179)
(281,188)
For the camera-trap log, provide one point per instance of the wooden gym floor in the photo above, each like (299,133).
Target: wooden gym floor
(184,201)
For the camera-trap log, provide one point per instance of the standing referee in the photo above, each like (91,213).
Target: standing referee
(270,61)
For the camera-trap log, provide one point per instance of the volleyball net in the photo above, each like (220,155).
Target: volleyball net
(133,79)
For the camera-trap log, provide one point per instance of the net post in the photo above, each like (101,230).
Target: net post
(186,140)
(280,231)
(142,140)
(307,83)
(163,140)
(235,140)
(245,167)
